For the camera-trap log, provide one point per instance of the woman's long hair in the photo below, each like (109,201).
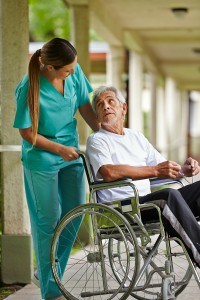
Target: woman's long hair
(57,53)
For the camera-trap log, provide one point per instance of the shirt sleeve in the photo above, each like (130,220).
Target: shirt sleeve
(22,115)
(84,88)
(98,153)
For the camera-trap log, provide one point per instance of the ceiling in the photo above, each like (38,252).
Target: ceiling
(166,40)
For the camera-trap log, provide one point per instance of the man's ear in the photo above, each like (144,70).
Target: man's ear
(124,108)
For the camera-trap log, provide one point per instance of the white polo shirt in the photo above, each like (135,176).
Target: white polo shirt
(132,148)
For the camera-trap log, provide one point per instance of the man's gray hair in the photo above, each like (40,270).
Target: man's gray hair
(102,89)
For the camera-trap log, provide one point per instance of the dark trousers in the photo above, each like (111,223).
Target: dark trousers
(180,210)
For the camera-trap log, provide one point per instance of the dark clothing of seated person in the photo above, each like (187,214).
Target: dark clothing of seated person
(116,152)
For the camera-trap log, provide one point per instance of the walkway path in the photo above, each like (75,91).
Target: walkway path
(31,292)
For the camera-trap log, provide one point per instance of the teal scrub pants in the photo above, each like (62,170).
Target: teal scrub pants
(50,195)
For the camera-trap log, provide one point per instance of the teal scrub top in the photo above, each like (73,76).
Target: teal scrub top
(56,120)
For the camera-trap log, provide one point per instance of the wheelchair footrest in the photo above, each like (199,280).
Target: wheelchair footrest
(168,288)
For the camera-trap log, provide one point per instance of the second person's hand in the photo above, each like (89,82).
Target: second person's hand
(68,153)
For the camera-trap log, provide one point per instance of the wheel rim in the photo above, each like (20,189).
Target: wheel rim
(181,270)
(86,263)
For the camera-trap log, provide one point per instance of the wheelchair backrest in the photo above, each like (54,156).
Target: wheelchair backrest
(87,167)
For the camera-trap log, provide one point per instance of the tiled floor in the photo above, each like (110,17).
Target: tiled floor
(31,292)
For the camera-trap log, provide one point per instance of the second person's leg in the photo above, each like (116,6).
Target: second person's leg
(72,194)
(44,210)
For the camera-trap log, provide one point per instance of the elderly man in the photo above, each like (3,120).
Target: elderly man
(116,152)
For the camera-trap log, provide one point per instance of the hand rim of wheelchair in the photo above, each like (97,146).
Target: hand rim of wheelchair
(83,209)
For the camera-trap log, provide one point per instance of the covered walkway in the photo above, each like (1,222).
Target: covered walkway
(153,59)
(31,292)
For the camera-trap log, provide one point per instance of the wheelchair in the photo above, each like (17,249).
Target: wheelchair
(117,255)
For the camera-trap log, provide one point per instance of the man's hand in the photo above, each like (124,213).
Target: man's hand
(190,167)
(168,169)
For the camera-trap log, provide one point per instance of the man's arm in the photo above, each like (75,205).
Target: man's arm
(166,169)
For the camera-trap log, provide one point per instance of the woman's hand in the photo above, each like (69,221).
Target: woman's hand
(68,153)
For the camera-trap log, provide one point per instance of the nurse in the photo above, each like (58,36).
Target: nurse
(46,102)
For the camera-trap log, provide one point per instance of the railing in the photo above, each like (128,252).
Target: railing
(10,148)
(17,148)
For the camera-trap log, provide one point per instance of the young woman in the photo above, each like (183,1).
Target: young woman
(47,100)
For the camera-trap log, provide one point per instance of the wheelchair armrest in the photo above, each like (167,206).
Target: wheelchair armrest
(103,185)
(114,182)
(156,182)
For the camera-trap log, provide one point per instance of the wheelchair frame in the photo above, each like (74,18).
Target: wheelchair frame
(109,264)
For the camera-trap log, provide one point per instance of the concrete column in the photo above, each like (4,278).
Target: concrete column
(194,140)
(153,113)
(171,117)
(16,265)
(195,112)
(177,138)
(80,39)
(115,67)
(135,91)
(184,119)
(161,133)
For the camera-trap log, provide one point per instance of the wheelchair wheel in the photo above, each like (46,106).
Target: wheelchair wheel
(88,272)
(150,284)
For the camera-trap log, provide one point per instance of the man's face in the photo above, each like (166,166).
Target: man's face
(109,110)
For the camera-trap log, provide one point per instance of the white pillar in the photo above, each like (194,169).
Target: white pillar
(135,91)
(194,128)
(161,133)
(171,118)
(16,265)
(80,39)
(184,119)
(153,112)
(115,67)
(195,112)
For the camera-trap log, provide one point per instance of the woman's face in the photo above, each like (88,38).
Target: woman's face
(65,71)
